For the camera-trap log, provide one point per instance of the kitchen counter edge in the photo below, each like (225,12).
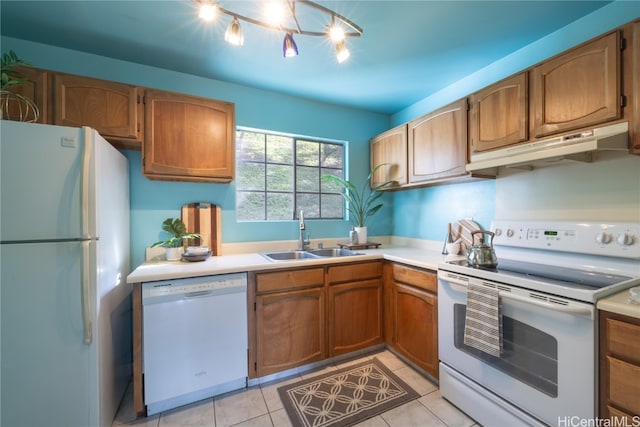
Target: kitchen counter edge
(620,304)
(153,271)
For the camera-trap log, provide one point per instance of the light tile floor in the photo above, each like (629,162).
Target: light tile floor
(260,406)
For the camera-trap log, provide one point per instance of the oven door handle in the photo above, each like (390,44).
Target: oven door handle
(587,311)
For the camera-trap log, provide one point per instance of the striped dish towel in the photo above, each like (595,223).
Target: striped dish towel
(483,322)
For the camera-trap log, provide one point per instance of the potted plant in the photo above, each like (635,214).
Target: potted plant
(174,243)
(363,202)
(24,108)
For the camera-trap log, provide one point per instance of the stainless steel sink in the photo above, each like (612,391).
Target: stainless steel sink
(333,252)
(309,254)
(288,255)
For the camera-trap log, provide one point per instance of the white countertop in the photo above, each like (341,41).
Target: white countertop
(163,270)
(619,303)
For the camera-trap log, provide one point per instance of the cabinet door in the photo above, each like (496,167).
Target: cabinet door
(355,316)
(635,95)
(108,107)
(290,330)
(438,144)
(188,138)
(36,88)
(390,149)
(416,326)
(500,114)
(579,88)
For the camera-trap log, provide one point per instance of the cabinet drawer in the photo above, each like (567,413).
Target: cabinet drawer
(355,272)
(290,279)
(624,385)
(624,340)
(421,279)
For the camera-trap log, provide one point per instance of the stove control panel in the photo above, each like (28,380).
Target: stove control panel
(616,239)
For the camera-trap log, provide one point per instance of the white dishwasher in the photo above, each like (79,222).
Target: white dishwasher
(194,339)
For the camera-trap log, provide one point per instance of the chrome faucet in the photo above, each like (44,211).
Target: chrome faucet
(302,242)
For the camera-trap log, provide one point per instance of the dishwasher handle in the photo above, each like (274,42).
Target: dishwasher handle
(197,294)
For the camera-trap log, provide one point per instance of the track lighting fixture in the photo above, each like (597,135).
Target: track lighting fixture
(233,35)
(289,47)
(282,16)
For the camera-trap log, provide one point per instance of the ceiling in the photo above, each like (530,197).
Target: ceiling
(408,51)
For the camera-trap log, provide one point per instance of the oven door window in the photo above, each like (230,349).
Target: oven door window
(529,354)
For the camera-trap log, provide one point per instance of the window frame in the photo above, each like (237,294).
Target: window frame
(294,164)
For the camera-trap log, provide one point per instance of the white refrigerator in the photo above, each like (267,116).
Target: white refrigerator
(65,318)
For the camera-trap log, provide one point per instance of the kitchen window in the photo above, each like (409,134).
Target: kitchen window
(279,174)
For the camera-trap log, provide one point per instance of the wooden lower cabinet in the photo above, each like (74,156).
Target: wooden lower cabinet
(306,315)
(355,311)
(412,310)
(287,326)
(619,367)
(290,331)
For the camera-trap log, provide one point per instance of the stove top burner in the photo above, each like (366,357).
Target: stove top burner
(552,274)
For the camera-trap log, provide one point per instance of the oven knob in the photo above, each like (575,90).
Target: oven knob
(603,238)
(510,233)
(625,239)
(498,231)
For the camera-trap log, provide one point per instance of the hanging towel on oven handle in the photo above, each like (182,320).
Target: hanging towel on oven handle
(483,321)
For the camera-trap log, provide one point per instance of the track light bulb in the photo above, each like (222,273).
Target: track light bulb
(233,35)
(336,33)
(289,47)
(342,53)
(208,11)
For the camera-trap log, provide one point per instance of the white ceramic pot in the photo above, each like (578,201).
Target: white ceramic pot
(362,235)
(174,254)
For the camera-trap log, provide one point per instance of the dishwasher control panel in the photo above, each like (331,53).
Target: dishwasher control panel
(194,286)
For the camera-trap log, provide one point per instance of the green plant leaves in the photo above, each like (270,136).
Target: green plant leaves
(178,231)
(8,74)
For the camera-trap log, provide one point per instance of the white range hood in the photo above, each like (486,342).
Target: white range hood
(579,146)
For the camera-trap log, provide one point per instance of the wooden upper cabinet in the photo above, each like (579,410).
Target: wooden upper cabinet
(36,87)
(390,148)
(578,88)
(438,144)
(635,92)
(188,138)
(499,114)
(113,109)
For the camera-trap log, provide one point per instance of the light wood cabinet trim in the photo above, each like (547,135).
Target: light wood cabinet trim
(354,272)
(355,316)
(139,408)
(617,416)
(578,88)
(289,279)
(499,114)
(624,385)
(109,107)
(619,379)
(418,278)
(437,144)
(390,149)
(623,340)
(292,330)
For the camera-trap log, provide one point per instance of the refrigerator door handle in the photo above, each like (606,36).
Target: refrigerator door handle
(85,183)
(87,322)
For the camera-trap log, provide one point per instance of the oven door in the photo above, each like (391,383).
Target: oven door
(547,367)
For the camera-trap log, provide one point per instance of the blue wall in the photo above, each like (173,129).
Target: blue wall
(153,201)
(420,213)
(424,213)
